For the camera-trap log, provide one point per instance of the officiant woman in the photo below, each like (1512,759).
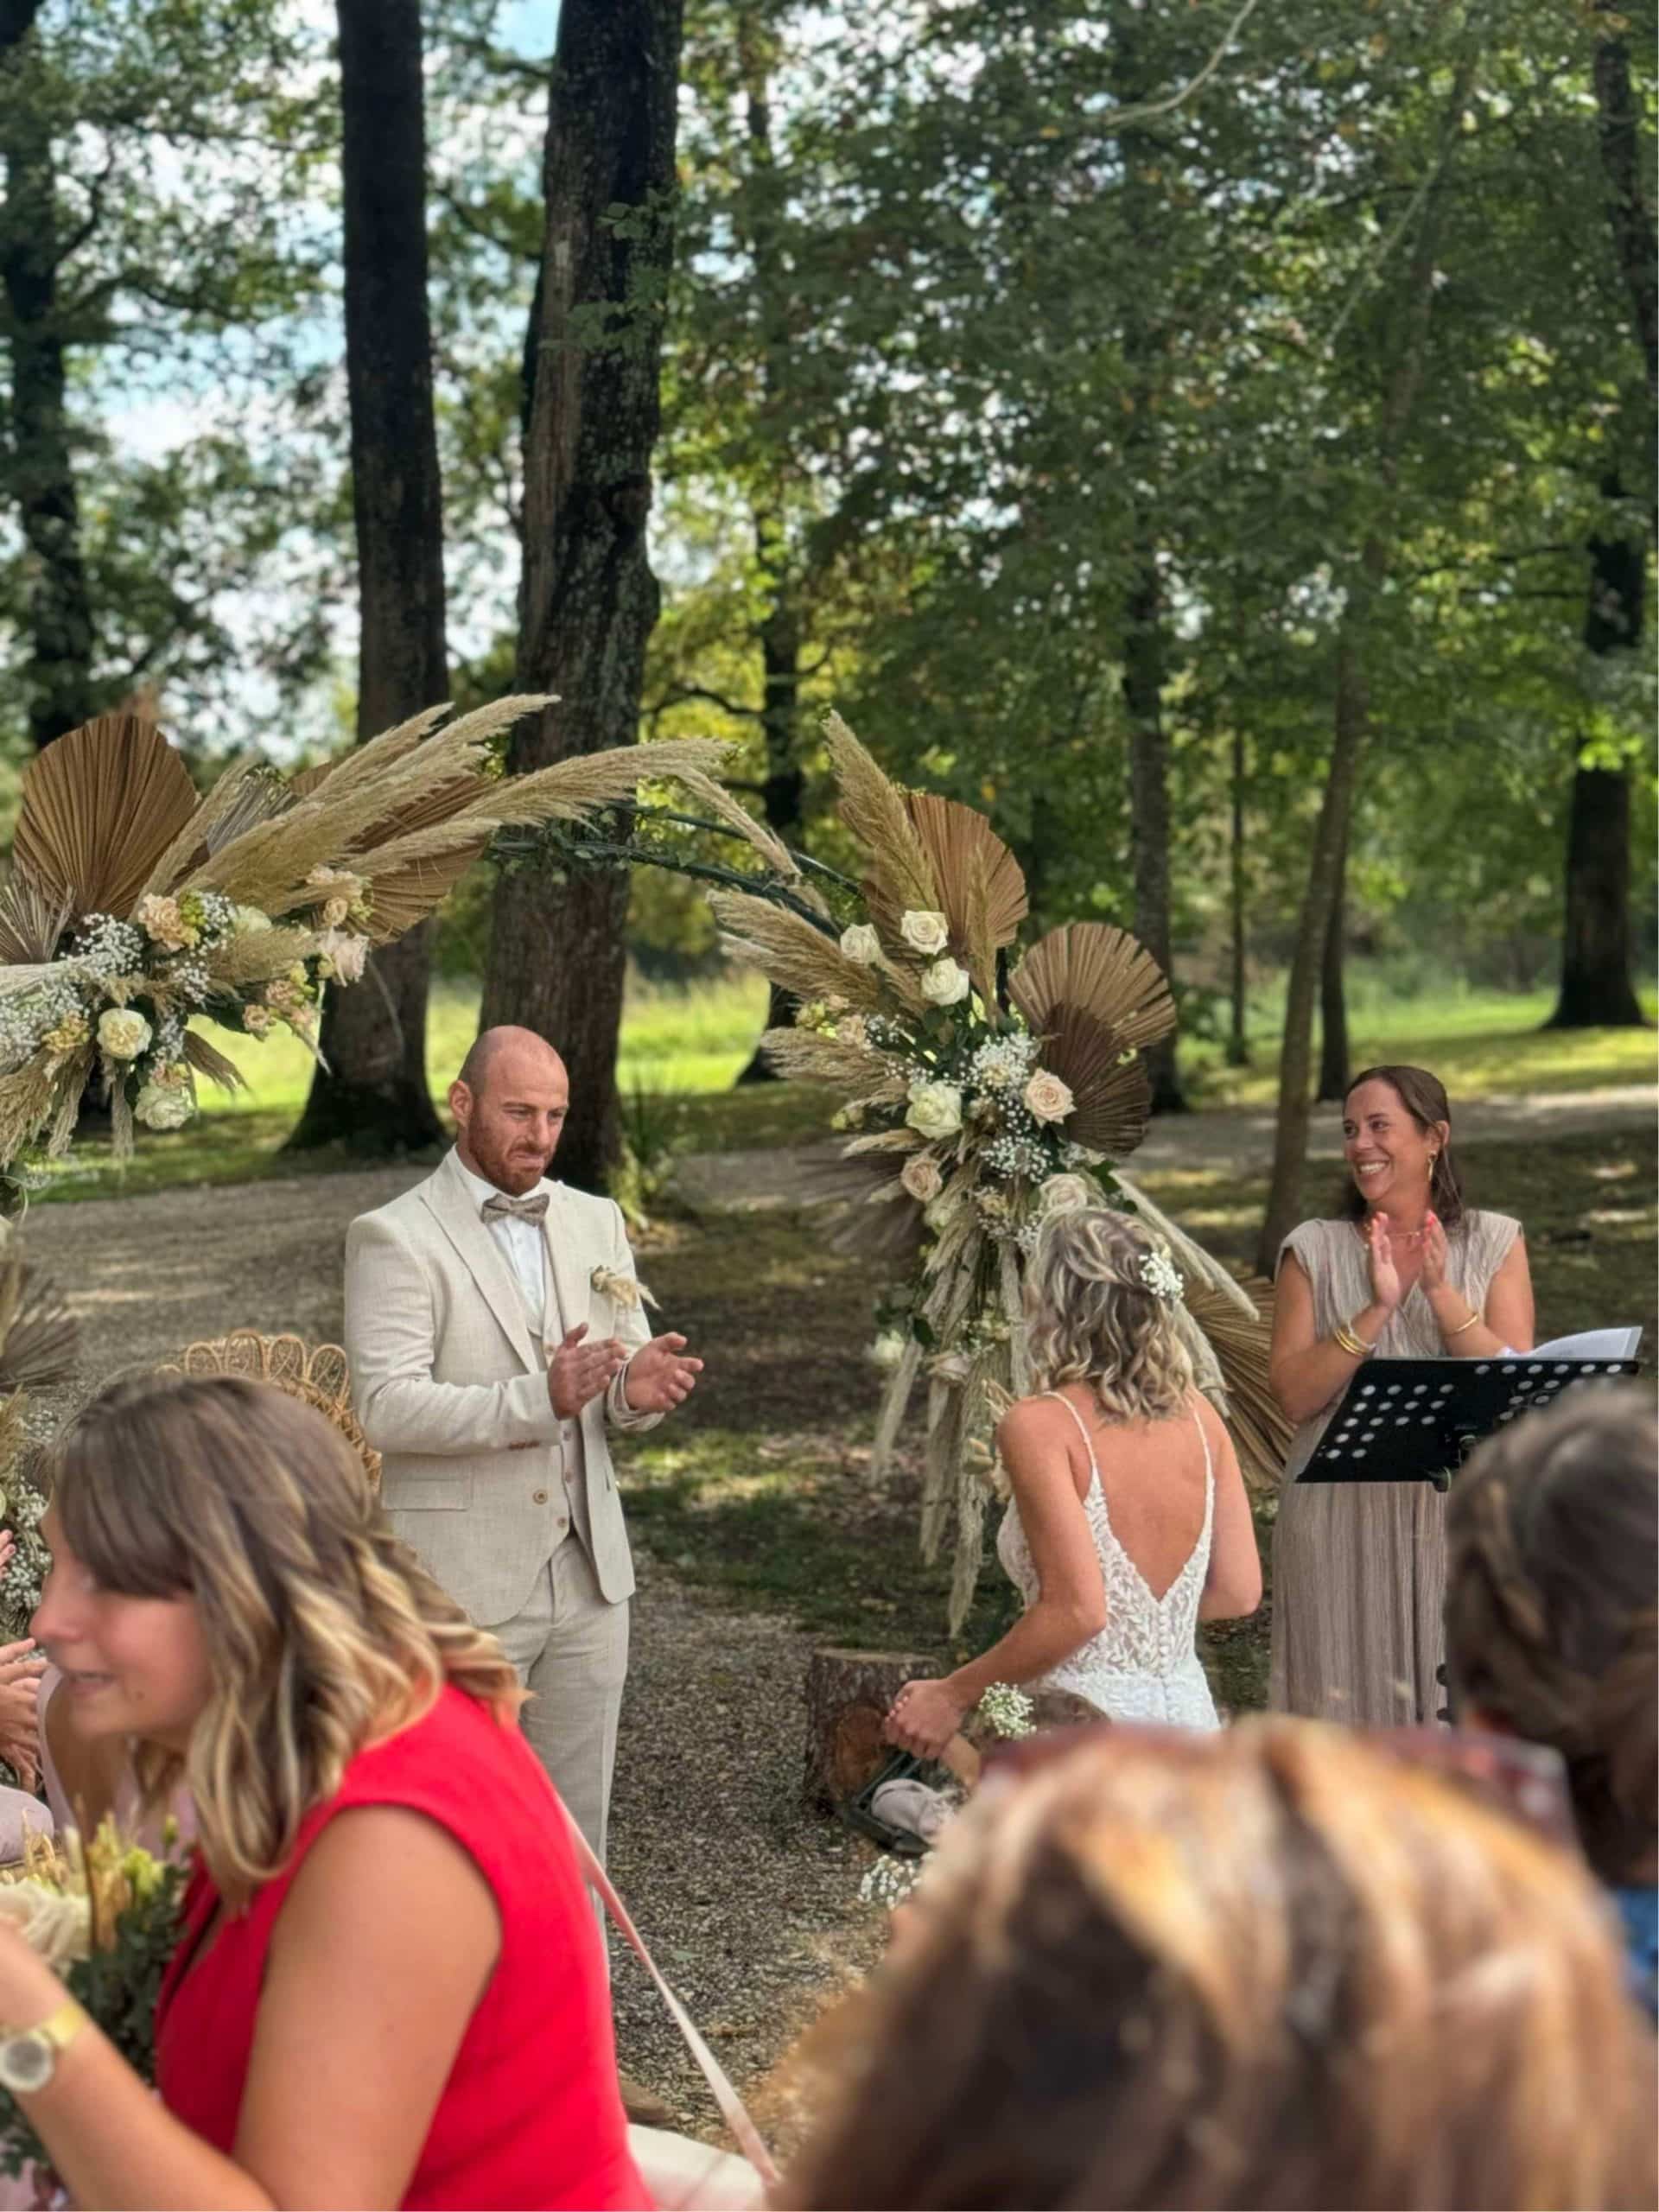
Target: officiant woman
(1408,1269)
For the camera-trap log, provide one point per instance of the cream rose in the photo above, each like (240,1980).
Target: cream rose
(248,921)
(862,944)
(935,1109)
(921,1178)
(164,1106)
(1048,1099)
(886,1350)
(163,925)
(944,983)
(1065,1194)
(345,952)
(924,932)
(122,1034)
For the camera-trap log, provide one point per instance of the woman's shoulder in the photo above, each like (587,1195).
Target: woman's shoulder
(1485,1231)
(1315,1242)
(457,1752)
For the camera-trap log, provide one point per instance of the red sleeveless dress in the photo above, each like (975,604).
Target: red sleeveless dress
(531,2115)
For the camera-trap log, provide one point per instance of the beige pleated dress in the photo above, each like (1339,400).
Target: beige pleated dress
(1359,1568)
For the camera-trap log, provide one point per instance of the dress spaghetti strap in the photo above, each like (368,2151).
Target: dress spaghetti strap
(1060,1399)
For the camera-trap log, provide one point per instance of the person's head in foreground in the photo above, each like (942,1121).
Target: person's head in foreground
(1552,1568)
(225,1593)
(1270,1967)
(1098,1310)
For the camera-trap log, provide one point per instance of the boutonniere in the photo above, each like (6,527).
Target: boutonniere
(621,1290)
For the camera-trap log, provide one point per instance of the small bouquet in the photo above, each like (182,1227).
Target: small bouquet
(107,1917)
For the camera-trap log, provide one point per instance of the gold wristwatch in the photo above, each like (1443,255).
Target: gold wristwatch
(29,2056)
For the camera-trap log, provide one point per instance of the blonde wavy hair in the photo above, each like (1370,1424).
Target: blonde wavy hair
(1272,1966)
(1090,1317)
(323,1633)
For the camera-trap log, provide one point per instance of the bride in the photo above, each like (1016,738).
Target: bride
(1128,1523)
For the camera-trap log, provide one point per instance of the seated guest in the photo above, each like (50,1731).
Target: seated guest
(389,1988)
(1273,1966)
(1553,1562)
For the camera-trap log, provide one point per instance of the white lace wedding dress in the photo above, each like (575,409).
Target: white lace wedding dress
(1144,1664)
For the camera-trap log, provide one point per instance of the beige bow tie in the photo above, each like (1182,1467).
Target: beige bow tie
(501,1207)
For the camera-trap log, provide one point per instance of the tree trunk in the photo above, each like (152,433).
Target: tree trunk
(1334,1059)
(57,675)
(1628,212)
(1143,689)
(588,600)
(1351,708)
(371,1094)
(1598,990)
(1324,880)
(1238,1043)
(780,631)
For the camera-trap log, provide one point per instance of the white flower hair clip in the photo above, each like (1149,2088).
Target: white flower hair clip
(621,1290)
(1161,1277)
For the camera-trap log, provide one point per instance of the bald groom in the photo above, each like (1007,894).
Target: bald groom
(493,1328)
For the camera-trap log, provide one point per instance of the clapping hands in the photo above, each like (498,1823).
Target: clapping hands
(579,1371)
(661,1376)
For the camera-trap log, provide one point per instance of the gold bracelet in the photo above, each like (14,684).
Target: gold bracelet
(1446,1335)
(1349,1340)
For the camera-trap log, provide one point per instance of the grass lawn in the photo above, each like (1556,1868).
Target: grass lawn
(760,1490)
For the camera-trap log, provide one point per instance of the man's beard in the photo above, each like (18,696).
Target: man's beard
(514,1176)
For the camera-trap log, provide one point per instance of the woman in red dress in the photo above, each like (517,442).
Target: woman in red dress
(389,1989)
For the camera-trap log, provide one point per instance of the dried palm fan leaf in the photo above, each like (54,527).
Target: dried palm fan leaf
(803,1056)
(1105,971)
(901,874)
(39,1337)
(26,1096)
(1261,1434)
(885,1233)
(251,790)
(1110,1088)
(99,807)
(318,1375)
(974,870)
(208,1060)
(788,950)
(32,919)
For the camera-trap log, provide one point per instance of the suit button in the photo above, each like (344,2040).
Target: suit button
(539,1498)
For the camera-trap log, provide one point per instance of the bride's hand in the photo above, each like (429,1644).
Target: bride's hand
(1385,1276)
(924,1717)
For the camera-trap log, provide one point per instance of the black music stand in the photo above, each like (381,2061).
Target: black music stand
(1417,1420)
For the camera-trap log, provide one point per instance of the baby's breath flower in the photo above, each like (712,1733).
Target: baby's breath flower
(1007,1711)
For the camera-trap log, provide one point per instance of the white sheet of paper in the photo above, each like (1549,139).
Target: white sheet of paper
(1589,1343)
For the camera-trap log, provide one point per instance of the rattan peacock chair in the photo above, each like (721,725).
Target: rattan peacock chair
(317,1374)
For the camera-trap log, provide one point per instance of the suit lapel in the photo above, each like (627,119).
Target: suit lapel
(451,1203)
(570,1272)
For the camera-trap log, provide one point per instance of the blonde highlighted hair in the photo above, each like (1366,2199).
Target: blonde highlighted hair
(323,1633)
(1090,1318)
(1266,1967)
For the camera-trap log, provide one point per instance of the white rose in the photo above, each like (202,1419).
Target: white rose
(1047,1099)
(345,952)
(935,1109)
(248,921)
(164,1106)
(862,944)
(927,933)
(122,1034)
(921,1178)
(1065,1194)
(944,983)
(886,1351)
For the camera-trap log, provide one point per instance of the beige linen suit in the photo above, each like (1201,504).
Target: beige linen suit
(514,1510)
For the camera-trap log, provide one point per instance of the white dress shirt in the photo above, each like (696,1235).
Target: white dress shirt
(523,1244)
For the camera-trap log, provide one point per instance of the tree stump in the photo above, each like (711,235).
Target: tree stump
(848,1694)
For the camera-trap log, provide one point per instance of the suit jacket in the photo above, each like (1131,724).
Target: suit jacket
(450,1390)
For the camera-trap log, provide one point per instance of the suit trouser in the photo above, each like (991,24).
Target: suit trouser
(569,1645)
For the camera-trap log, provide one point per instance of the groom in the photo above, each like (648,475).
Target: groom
(494,1326)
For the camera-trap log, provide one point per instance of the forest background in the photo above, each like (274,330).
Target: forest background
(1216,439)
